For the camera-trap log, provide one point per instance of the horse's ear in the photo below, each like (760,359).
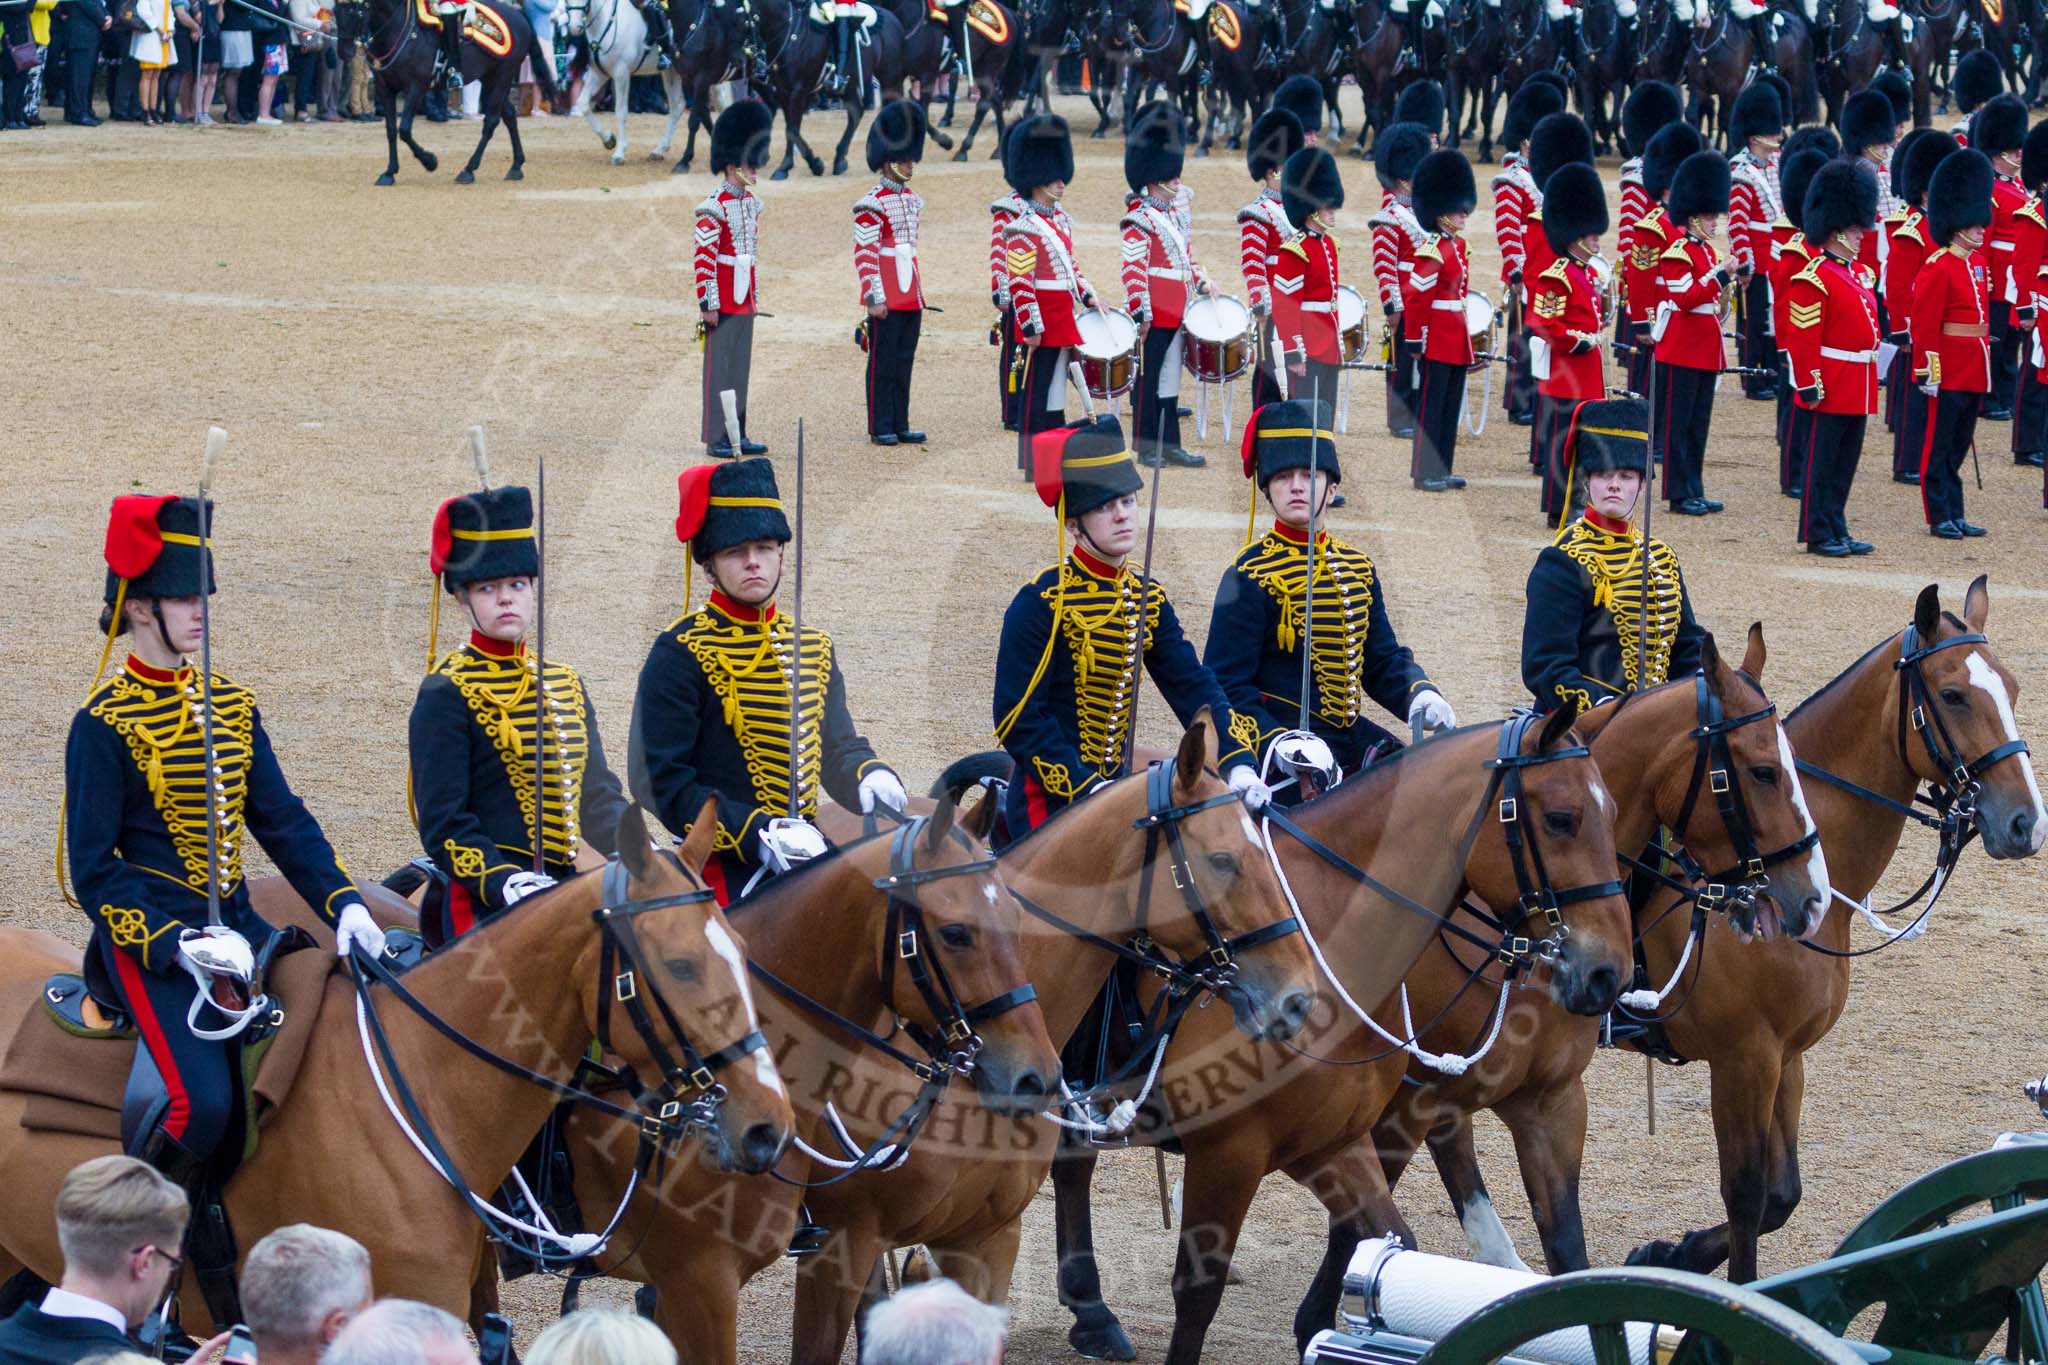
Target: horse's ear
(1977,603)
(632,843)
(1710,663)
(1557,725)
(1927,613)
(695,850)
(980,818)
(1753,654)
(940,822)
(1197,751)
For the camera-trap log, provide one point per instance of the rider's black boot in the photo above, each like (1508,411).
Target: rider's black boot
(663,33)
(843,65)
(1764,41)
(209,1237)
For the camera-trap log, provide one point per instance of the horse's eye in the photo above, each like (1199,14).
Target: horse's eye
(1224,864)
(682,968)
(1953,696)
(957,936)
(1766,774)
(1560,822)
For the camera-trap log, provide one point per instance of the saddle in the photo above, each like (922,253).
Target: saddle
(486,27)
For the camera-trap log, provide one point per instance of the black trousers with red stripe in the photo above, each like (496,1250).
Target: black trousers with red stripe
(1035,412)
(1401,383)
(892,350)
(1520,394)
(1754,344)
(1439,402)
(2030,413)
(1006,358)
(1911,436)
(2005,356)
(1154,416)
(1553,420)
(1684,403)
(1639,356)
(199,1077)
(1951,427)
(1834,443)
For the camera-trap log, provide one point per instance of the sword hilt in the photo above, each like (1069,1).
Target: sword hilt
(481,456)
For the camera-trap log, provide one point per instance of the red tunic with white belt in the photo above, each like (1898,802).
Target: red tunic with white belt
(1435,295)
(1395,234)
(1687,280)
(1875,248)
(1514,196)
(1952,291)
(885,226)
(1793,254)
(1833,336)
(728,233)
(1046,287)
(1564,310)
(1909,251)
(1001,211)
(2008,197)
(1305,281)
(1653,234)
(1261,227)
(1159,270)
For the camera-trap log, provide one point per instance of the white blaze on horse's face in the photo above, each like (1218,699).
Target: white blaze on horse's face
(1604,800)
(1817,859)
(764,1058)
(1985,678)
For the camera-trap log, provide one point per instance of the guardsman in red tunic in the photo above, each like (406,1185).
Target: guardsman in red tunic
(1795,173)
(1306,276)
(1395,235)
(1911,245)
(1651,107)
(1951,335)
(1891,364)
(1047,290)
(1261,227)
(885,237)
(1655,232)
(2030,410)
(1160,277)
(2000,131)
(1566,316)
(728,240)
(1757,126)
(1515,197)
(1833,345)
(1445,196)
(1869,134)
(1693,283)
(1003,211)
(1557,141)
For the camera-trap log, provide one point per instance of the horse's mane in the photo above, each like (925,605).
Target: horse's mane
(1367,777)
(1845,674)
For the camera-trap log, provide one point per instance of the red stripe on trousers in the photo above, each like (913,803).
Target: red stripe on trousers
(874,345)
(1926,455)
(179,1115)
(714,878)
(1034,802)
(1664,430)
(1421,423)
(461,911)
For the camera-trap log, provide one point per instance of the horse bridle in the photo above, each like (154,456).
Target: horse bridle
(1535,893)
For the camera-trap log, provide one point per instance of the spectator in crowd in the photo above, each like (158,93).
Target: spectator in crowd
(268,35)
(300,1287)
(205,73)
(400,1332)
(237,55)
(15,39)
(84,21)
(39,34)
(936,1323)
(120,1225)
(153,52)
(183,76)
(601,1337)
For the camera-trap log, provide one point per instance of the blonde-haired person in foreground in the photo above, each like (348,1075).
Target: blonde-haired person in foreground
(121,1226)
(601,1337)
(120,1358)
(401,1332)
(936,1323)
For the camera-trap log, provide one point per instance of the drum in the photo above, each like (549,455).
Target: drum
(1218,348)
(1478,317)
(1109,351)
(1351,329)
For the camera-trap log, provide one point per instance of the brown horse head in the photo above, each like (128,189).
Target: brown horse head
(695,966)
(1966,713)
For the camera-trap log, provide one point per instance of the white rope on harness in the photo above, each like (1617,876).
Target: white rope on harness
(1870,916)
(1649,1002)
(1121,1117)
(576,1245)
(885,1159)
(1450,1063)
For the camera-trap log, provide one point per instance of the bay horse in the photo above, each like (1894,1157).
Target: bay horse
(1662,41)
(1536,826)
(991,62)
(1106,47)
(1478,37)
(1240,78)
(1931,704)
(1375,50)
(620,49)
(1720,55)
(403,53)
(531,987)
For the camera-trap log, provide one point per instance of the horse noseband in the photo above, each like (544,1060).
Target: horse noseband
(1714,767)
(1957,794)
(1535,892)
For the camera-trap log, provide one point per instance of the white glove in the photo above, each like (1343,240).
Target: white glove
(884,788)
(520,885)
(1245,782)
(1435,712)
(1300,752)
(216,951)
(1931,390)
(788,841)
(356,929)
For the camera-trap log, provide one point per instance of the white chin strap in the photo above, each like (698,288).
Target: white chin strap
(237,1019)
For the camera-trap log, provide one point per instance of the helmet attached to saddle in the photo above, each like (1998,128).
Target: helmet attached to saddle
(1558,140)
(1155,146)
(1649,108)
(1037,152)
(1274,137)
(1397,152)
(1663,155)
(1574,206)
(1531,104)
(1959,195)
(1842,194)
(896,135)
(1310,184)
(741,136)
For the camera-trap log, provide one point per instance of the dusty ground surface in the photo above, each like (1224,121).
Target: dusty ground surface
(162,280)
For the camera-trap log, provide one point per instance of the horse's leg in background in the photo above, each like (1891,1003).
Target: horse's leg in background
(854,105)
(1745,1091)
(995,104)
(622,86)
(1352,1188)
(1782,1189)
(1096,1333)
(493,109)
(1220,1181)
(924,104)
(981,104)
(983,1266)
(672,85)
(415,97)
(586,105)
(517,171)
(1549,1127)
(390,175)
(1491,101)
(789,119)
(700,99)
(829,1286)
(796,133)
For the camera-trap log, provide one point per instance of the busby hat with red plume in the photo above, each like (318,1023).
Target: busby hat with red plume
(1078,468)
(728,503)
(483,536)
(155,544)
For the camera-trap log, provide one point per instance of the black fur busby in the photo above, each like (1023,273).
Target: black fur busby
(1900,155)
(1842,194)
(1607,434)
(1423,103)
(1812,138)
(1558,140)
(1702,186)
(2000,126)
(1301,96)
(1784,92)
(1555,80)
(740,137)
(1959,195)
(1155,146)
(1671,145)
(1274,137)
(1921,158)
(1757,114)
(707,517)
(1037,152)
(2034,157)
(155,543)
(1866,122)
(483,536)
(1295,434)
(1309,183)
(1795,177)
(1397,151)
(1443,185)
(1651,107)
(1977,78)
(1079,463)
(897,134)
(1574,206)
(1534,102)
(1898,92)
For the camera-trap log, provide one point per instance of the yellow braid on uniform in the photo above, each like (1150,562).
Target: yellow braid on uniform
(113,629)
(433,623)
(1052,634)
(1251,515)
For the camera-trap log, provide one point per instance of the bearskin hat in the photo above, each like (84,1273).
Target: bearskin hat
(1661,158)
(1866,122)
(1295,434)
(1921,158)
(154,542)
(1813,138)
(1758,113)
(1423,103)
(728,503)
(1155,146)
(897,134)
(1309,183)
(483,536)
(1531,104)
(1274,137)
(1574,206)
(1550,78)
(1443,184)
(1607,434)
(2000,126)
(1795,176)
(1080,463)
(1959,195)
(740,137)
(2034,157)
(1558,140)
(1650,107)
(1702,186)
(1977,78)
(1900,154)
(1842,194)
(1301,96)
(1778,83)
(1898,92)
(1397,151)
(1037,152)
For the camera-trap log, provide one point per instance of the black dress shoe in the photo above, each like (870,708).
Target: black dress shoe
(1714,504)
(1909,477)
(1185,459)
(1405,433)
(2031,459)
(35,121)
(720,450)
(1011,426)
(1183,410)
(13,125)
(751,447)
(84,121)
(1522,419)
(1970,528)
(887,438)
(1796,491)
(1145,455)
(1453,481)
(1860,547)
(1829,549)
(1946,530)
(1434,485)
(910,438)
(1996,414)
(1691,507)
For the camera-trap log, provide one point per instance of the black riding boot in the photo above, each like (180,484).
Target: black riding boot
(1765,41)
(1895,45)
(451,55)
(209,1237)
(842,65)
(659,30)
(1408,57)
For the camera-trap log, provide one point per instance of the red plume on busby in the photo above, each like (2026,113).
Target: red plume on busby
(1076,468)
(728,503)
(482,536)
(153,545)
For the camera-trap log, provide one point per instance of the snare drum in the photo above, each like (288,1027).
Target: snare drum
(1108,350)
(1218,347)
(1478,317)
(1351,329)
